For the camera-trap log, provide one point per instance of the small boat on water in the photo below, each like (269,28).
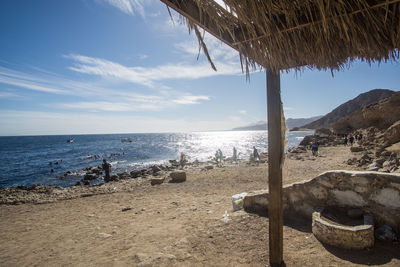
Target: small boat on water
(126,140)
(71,140)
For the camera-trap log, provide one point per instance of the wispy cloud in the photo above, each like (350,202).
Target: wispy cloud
(243,112)
(148,75)
(129,7)
(96,96)
(190,99)
(8,95)
(19,79)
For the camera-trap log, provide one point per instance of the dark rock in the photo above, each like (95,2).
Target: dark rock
(177,177)
(174,163)
(96,170)
(155,181)
(323,132)
(78,183)
(89,176)
(126,209)
(123,176)
(155,169)
(135,173)
(356,149)
(351,161)
(298,149)
(85,182)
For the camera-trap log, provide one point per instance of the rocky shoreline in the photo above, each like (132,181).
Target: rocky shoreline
(120,182)
(372,153)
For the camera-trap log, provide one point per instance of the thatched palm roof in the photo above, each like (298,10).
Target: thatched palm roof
(284,34)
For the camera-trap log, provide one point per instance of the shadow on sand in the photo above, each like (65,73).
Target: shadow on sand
(381,253)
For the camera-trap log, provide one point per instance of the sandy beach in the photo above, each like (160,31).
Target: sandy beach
(131,223)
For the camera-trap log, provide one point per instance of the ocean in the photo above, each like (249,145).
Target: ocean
(28,160)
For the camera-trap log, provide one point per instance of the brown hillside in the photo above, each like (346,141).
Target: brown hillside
(349,107)
(380,115)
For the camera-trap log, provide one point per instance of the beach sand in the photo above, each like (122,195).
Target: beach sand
(131,223)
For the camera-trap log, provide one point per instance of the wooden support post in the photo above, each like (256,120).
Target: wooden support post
(275,153)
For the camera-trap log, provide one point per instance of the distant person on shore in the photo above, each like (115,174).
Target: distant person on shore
(314,148)
(234,155)
(345,140)
(351,139)
(182,160)
(359,137)
(256,155)
(107,168)
(220,157)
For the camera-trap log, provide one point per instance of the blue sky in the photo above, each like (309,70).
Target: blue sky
(122,66)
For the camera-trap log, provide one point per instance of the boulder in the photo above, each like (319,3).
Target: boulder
(155,169)
(298,149)
(123,176)
(323,132)
(89,176)
(392,134)
(177,177)
(356,149)
(135,173)
(174,163)
(96,170)
(306,140)
(155,181)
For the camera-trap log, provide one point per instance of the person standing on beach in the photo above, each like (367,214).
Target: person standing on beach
(220,157)
(314,148)
(234,155)
(107,168)
(256,155)
(182,160)
(351,139)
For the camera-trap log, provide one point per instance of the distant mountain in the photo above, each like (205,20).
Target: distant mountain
(261,125)
(290,123)
(349,107)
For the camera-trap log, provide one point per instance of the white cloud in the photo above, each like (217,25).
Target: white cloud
(97,95)
(8,95)
(147,76)
(129,7)
(19,79)
(190,99)
(243,112)
(217,50)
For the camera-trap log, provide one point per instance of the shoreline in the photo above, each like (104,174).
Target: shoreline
(130,182)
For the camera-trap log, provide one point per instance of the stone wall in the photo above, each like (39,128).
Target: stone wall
(375,192)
